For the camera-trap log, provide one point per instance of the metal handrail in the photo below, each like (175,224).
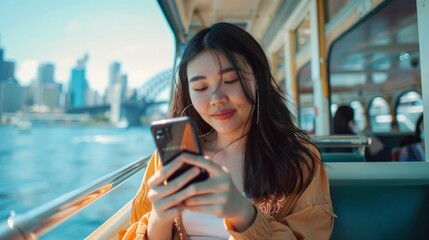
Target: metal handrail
(37,222)
(352,141)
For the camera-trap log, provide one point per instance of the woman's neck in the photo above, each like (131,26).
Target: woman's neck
(217,142)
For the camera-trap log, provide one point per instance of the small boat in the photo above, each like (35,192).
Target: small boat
(23,124)
(123,123)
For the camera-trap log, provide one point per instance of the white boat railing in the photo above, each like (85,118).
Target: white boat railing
(39,221)
(352,141)
(357,143)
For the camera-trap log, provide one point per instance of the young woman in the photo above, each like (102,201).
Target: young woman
(266,178)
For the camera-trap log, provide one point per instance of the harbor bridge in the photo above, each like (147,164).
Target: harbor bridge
(147,102)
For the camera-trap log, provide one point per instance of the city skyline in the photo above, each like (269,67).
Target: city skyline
(61,33)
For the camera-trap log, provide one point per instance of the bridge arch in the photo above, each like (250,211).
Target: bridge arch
(153,87)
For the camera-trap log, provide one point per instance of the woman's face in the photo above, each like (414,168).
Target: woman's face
(216,92)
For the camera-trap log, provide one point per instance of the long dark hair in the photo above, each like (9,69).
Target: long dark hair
(277,157)
(418,131)
(342,118)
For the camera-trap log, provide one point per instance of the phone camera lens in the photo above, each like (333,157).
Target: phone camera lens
(159,134)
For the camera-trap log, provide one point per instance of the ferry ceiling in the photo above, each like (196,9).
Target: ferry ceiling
(262,18)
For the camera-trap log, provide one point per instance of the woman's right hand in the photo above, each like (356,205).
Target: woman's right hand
(165,206)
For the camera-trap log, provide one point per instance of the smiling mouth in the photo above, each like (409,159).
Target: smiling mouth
(224,114)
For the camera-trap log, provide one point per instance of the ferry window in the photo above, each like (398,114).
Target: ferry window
(305,99)
(279,68)
(378,56)
(379,115)
(332,7)
(334,108)
(408,110)
(359,117)
(359,114)
(70,76)
(302,34)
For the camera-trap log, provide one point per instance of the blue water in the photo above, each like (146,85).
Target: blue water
(49,161)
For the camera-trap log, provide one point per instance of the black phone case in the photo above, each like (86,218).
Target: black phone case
(173,137)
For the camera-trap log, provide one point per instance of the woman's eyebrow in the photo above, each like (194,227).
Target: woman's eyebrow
(227,70)
(223,71)
(196,78)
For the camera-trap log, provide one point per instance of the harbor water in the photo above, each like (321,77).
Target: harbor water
(45,162)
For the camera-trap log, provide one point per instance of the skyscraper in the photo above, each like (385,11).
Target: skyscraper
(50,95)
(11,97)
(1,64)
(78,86)
(114,77)
(118,98)
(45,73)
(114,73)
(124,87)
(8,70)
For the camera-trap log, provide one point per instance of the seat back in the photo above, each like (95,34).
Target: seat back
(387,200)
(343,157)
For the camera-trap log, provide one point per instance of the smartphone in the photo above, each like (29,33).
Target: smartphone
(173,137)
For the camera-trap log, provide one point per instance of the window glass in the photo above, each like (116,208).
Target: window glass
(359,116)
(334,108)
(305,99)
(70,109)
(332,7)
(408,110)
(377,57)
(379,115)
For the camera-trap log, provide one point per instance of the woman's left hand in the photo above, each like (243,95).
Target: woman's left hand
(217,195)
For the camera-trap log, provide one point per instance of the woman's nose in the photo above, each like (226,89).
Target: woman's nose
(218,97)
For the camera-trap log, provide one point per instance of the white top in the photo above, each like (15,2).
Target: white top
(200,226)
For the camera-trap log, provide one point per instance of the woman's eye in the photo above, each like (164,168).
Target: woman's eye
(200,89)
(231,81)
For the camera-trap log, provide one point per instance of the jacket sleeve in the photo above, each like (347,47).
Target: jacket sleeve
(142,207)
(310,217)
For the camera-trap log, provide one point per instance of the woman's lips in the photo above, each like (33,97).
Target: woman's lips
(224,114)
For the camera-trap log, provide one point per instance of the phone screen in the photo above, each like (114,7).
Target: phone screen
(174,136)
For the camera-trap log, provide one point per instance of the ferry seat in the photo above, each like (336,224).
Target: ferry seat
(343,157)
(390,142)
(380,200)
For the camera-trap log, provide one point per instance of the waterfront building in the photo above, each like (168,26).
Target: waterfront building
(93,98)
(45,73)
(78,86)
(116,103)
(124,86)
(11,97)
(8,71)
(50,95)
(1,63)
(114,77)
(118,98)
(114,73)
